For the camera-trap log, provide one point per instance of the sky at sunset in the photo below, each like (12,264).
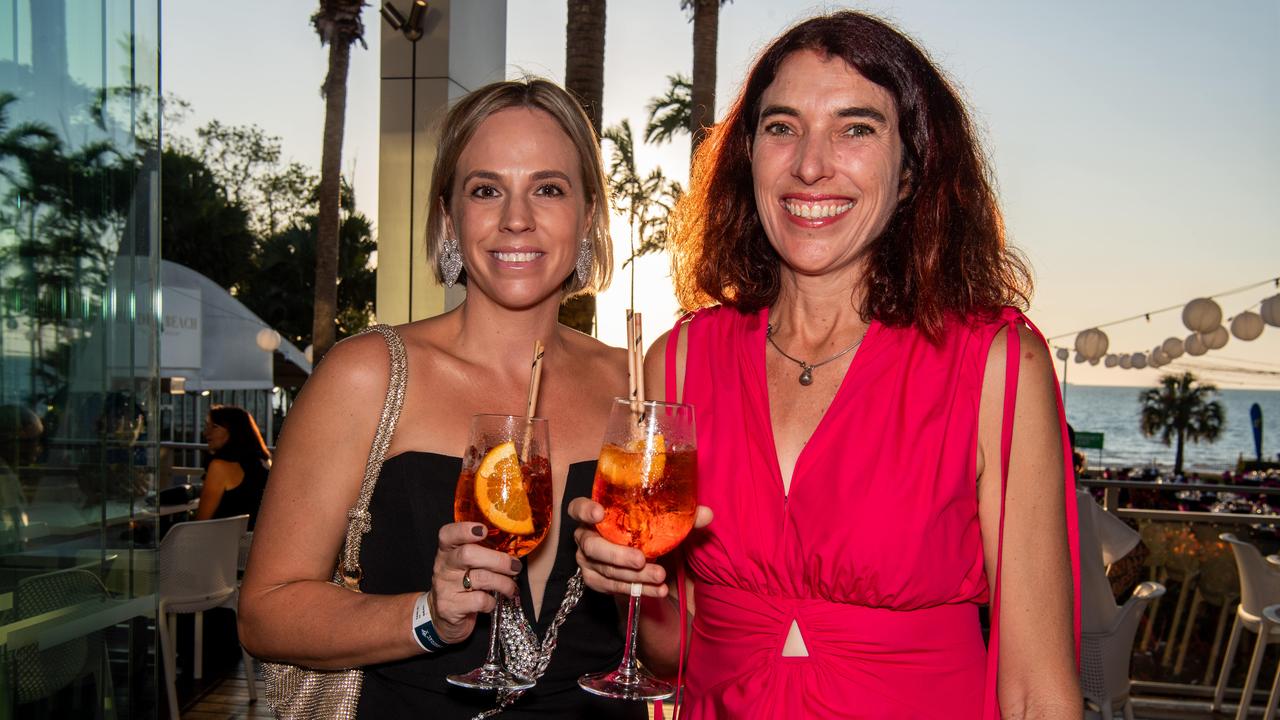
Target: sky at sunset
(1136,145)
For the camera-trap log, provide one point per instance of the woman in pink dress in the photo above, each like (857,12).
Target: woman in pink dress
(879,432)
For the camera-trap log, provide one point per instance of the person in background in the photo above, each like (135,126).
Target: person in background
(239,461)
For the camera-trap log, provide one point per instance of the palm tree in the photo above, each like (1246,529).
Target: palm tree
(584,79)
(706,30)
(339,25)
(646,200)
(669,114)
(1181,407)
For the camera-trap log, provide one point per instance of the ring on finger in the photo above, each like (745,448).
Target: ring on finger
(466,580)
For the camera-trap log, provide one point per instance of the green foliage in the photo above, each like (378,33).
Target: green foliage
(248,164)
(1181,408)
(199,226)
(280,293)
(645,200)
(670,114)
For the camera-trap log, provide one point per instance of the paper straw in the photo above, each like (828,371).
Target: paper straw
(632,384)
(638,353)
(535,379)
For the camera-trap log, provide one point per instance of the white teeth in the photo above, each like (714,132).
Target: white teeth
(815,211)
(517,256)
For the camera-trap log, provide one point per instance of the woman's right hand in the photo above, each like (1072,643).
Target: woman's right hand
(454,607)
(610,568)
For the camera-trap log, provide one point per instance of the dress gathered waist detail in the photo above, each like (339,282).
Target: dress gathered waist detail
(735,629)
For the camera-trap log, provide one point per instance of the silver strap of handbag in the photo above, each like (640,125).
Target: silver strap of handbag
(300,693)
(358,520)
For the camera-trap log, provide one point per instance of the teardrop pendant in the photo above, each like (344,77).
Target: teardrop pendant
(806,375)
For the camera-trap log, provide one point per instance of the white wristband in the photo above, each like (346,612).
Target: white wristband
(424,631)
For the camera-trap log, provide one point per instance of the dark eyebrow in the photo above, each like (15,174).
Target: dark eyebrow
(538,176)
(862,112)
(483,174)
(849,112)
(551,175)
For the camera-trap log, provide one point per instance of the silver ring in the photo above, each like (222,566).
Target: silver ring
(466,580)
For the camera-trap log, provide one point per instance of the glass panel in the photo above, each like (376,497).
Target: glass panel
(79,271)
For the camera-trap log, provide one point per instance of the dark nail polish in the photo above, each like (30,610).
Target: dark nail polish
(515,565)
(478,531)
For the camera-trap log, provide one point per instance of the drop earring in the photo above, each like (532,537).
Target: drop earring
(583,267)
(450,261)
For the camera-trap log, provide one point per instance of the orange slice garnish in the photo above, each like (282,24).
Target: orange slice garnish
(630,467)
(500,492)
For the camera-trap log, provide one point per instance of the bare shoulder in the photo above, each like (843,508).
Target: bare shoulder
(606,363)
(218,466)
(357,367)
(1035,365)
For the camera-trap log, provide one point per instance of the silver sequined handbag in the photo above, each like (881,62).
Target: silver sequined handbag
(300,693)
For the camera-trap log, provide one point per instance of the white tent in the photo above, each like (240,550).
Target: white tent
(210,338)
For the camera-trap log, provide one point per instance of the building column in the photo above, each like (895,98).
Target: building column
(463,46)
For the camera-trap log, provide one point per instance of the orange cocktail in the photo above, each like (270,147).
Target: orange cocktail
(646,481)
(648,498)
(505,485)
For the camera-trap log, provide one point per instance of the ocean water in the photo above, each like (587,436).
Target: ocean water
(1114,411)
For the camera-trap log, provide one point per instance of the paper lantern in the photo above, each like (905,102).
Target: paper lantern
(268,339)
(309,353)
(1160,358)
(1202,315)
(1139,361)
(1095,361)
(1216,339)
(1112,361)
(1080,358)
(1195,345)
(1270,311)
(1063,354)
(1247,326)
(1172,347)
(1126,362)
(1092,343)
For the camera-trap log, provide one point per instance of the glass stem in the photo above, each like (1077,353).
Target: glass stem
(491,660)
(628,671)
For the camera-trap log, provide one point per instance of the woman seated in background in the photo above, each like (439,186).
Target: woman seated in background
(239,461)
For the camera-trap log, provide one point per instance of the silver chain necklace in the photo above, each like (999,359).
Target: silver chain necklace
(806,369)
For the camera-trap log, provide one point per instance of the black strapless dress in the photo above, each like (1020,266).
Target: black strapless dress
(413,498)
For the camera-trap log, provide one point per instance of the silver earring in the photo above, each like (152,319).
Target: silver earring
(583,267)
(451,261)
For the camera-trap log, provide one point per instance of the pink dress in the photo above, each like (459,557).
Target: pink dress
(876,553)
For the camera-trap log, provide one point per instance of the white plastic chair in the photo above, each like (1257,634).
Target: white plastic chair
(1105,655)
(1259,587)
(197,573)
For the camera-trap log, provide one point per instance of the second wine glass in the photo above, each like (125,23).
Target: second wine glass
(646,480)
(505,484)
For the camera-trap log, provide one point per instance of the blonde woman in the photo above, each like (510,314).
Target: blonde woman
(519,215)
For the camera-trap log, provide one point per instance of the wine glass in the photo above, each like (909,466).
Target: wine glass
(506,485)
(646,480)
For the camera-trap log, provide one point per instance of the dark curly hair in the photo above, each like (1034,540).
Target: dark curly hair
(943,251)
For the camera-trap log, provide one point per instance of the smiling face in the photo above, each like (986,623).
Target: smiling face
(518,207)
(826,162)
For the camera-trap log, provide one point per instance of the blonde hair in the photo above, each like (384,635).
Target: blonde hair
(534,93)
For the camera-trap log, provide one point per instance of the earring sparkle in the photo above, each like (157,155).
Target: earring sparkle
(583,267)
(451,261)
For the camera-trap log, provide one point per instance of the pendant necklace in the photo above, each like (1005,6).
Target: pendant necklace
(806,369)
